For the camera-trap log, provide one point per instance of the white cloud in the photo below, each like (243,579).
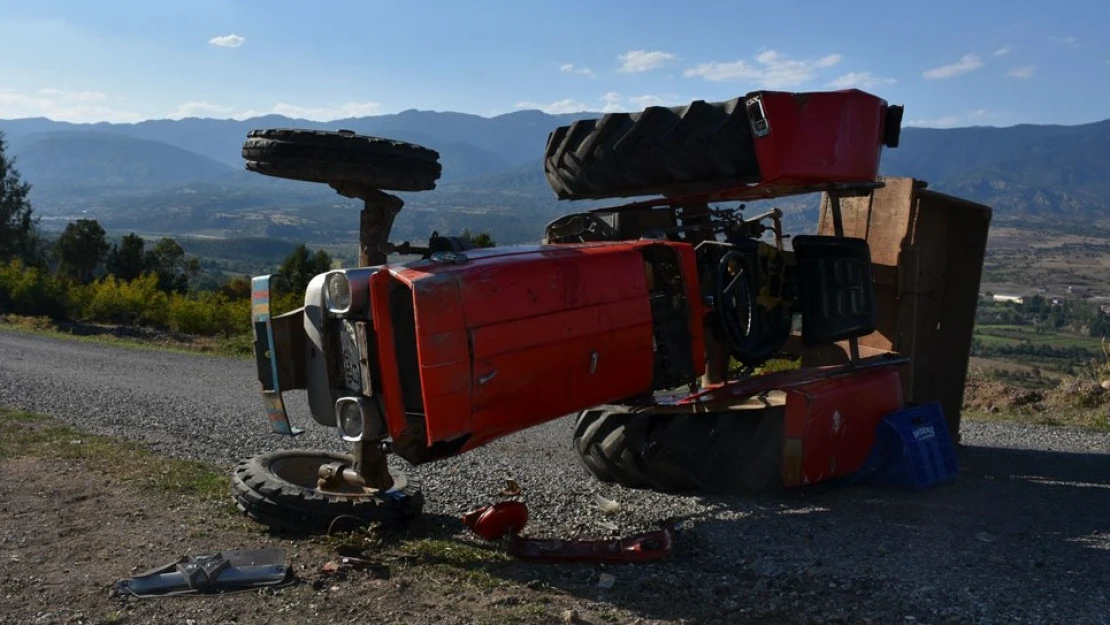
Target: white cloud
(569,68)
(968,63)
(350,109)
(1023,71)
(949,121)
(78,96)
(555,108)
(1071,42)
(1003,51)
(61,105)
(201,109)
(771,70)
(644,101)
(643,60)
(862,80)
(227,41)
(612,102)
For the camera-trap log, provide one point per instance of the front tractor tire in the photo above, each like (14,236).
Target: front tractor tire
(723,452)
(341,157)
(278,489)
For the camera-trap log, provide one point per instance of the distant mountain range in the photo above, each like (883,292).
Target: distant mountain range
(187,176)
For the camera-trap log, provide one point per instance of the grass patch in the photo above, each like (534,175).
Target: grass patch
(460,562)
(1011,334)
(24,434)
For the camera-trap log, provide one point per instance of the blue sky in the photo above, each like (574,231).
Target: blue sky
(951,63)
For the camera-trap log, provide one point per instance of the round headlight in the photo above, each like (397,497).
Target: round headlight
(350,421)
(338,293)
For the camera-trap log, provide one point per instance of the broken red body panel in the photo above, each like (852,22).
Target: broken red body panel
(831,424)
(645,547)
(496,521)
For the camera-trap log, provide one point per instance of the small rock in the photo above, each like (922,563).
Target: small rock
(986,537)
(570,616)
(605,581)
(607,506)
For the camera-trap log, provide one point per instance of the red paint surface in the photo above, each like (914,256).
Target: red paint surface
(496,521)
(518,336)
(830,424)
(821,137)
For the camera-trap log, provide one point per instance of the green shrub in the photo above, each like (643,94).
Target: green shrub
(209,314)
(138,302)
(26,290)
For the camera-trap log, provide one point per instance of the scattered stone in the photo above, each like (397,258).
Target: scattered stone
(606,581)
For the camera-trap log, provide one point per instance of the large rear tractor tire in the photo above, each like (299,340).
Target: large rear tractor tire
(279,489)
(723,452)
(680,149)
(341,157)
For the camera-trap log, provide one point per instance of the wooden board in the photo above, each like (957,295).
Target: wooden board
(927,249)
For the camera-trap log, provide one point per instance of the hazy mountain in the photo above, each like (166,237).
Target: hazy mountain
(188,175)
(101,159)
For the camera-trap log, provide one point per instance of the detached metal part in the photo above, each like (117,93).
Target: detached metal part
(218,572)
(270,371)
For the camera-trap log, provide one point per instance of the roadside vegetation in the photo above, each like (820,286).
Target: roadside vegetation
(81,280)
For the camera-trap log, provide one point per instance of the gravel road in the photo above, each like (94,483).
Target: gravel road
(1022,537)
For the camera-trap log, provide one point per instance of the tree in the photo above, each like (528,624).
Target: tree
(167,260)
(19,236)
(299,267)
(127,260)
(80,249)
(482,239)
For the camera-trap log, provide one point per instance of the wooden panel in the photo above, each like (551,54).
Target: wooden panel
(927,249)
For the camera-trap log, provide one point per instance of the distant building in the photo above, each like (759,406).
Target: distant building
(1012,299)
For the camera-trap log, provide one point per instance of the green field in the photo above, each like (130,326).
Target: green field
(1013,335)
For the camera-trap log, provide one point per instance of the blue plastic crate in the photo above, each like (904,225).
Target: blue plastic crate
(913,449)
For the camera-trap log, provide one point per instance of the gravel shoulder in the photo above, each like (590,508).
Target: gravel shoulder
(1023,536)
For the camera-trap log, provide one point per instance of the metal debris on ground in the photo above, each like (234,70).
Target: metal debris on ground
(512,489)
(224,571)
(508,518)
(654,545)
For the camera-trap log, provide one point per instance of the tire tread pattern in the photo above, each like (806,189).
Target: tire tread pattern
(654,151)
(710,453)
(325,156)
(282,505)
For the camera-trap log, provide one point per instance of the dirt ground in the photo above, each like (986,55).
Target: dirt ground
(68,535)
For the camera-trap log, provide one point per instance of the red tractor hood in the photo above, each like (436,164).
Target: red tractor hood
(506,338)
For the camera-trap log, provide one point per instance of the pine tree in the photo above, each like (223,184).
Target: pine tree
(19,236)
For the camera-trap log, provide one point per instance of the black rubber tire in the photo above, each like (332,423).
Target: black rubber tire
(711,453)
(278,489)
(681,149)
(342,157)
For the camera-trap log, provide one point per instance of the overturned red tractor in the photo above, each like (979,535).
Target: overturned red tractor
(652,321)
